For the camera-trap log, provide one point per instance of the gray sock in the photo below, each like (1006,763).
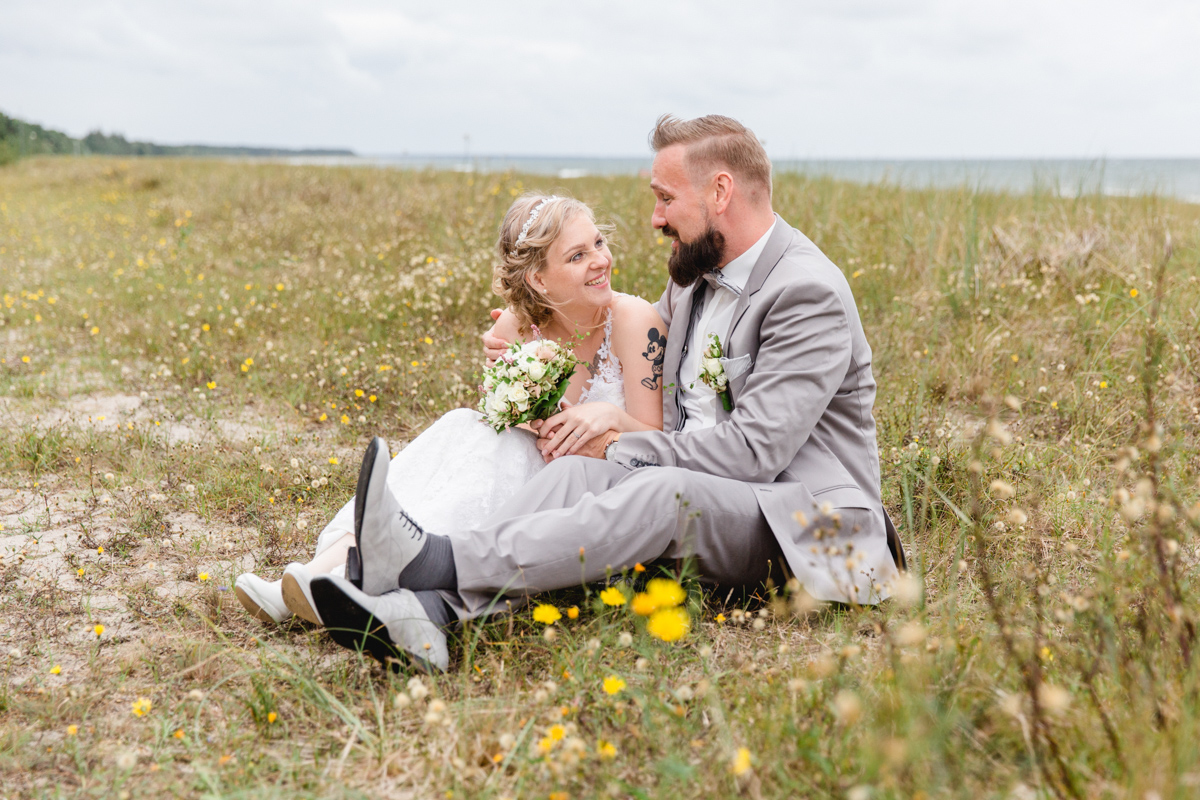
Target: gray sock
(439,610)
(433,568)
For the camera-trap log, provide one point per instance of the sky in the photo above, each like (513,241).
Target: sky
(819,79)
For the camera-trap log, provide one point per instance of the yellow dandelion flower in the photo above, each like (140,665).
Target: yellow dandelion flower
(666,593)
(245,368)
(606,749)
(720,618)
(613,684)
(24,359)
(211,384)
(741,762)
(100,550)
(279,287)
(428,340)
(249,362)
(545,744)
(333,460)
(95,329)
(669,624)
(1015,358)
(141,707)
(1133,292)
(79,572)
(72,730)
(612,596)
(271,717)
(638,567)
(546,614)
(98,630)
(372,398)
(1054,405)
(557,732)
(206,327)
(358,392)
(573,612)
(322,418)
(1103,384)
(345,419)
(497,758)
(643,604)
(203,576)
(56,670)
(179,734)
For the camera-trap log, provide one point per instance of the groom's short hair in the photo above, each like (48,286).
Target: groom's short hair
(715,142)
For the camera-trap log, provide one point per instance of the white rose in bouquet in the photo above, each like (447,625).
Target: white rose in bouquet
(525,383)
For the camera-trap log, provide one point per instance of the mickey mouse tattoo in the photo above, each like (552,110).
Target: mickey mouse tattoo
(656,352)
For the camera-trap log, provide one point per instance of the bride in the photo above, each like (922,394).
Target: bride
(554,276)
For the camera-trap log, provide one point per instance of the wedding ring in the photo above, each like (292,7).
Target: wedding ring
(576,435)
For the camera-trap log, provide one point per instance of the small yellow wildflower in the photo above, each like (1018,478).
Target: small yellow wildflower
(1103,384)
(545,744)
(1133,292)
(372,398)
(323,417)
(271,717)
(203,576)
(98,630)
(141,707)
(546,614)
(358,392)
(643,604)
(665,593)
(613,684)
(79,572)
(1054,405)
(179,734)
(100,550)
(557,732)
(72,730)
(741,762)
(1015,358)
(612,596)
(606,749)
(56,670)
(94,330)
(573,612)
(669,624)
(345,419)
(211,384)
(279,287)
(638,567)
(428,340)
(333,459)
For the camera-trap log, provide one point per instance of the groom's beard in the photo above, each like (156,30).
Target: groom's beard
(693,259)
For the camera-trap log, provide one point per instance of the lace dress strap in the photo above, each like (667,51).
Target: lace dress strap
(606,371)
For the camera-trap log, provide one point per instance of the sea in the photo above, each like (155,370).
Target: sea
(1167,177)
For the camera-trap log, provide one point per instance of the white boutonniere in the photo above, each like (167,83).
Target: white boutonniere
(712,371)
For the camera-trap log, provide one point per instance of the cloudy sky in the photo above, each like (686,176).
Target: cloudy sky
(814,78)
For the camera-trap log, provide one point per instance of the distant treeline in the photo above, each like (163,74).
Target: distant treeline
(19,139)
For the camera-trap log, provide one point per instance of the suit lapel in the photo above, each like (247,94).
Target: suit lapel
(776,245)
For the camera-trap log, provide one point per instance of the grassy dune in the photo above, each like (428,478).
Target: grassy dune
(195,353)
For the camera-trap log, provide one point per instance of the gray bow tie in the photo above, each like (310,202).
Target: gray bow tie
(715,279)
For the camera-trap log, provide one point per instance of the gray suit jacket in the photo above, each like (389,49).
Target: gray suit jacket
(801,430)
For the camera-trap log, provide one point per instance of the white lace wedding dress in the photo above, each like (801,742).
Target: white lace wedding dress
(459,471)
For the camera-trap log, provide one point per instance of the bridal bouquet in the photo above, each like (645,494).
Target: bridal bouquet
(526,383)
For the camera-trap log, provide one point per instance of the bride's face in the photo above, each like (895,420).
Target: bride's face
(578,267)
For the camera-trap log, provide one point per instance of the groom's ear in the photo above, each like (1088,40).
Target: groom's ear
(721,191)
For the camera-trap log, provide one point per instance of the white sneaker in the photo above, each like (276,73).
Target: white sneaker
(263,599)
(387,539)
(297,592)
(387,626)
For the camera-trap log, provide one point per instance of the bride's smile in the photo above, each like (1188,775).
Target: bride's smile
(576,278)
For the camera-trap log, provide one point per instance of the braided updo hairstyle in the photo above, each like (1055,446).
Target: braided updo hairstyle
(509,277)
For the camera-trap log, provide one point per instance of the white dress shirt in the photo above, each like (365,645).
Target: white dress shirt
(700,400)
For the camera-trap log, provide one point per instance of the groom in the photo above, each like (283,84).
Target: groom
(776,467)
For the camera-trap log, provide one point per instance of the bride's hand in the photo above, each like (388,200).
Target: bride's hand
(493,345)
(577,425)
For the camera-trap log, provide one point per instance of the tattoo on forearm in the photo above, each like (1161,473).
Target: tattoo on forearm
(656,352)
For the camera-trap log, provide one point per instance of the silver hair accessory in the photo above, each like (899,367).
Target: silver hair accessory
(533,215)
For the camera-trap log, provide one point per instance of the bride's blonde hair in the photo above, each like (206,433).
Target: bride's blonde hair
(510,278)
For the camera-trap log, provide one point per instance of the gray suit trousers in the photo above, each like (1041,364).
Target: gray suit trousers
(619,517)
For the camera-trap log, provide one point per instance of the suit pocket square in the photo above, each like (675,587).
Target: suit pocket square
(736,367)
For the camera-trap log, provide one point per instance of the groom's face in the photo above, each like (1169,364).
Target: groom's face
(681,214)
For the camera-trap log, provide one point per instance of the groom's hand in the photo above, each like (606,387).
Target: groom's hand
(493,345)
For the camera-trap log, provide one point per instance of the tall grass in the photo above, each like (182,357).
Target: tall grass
(1037,410)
